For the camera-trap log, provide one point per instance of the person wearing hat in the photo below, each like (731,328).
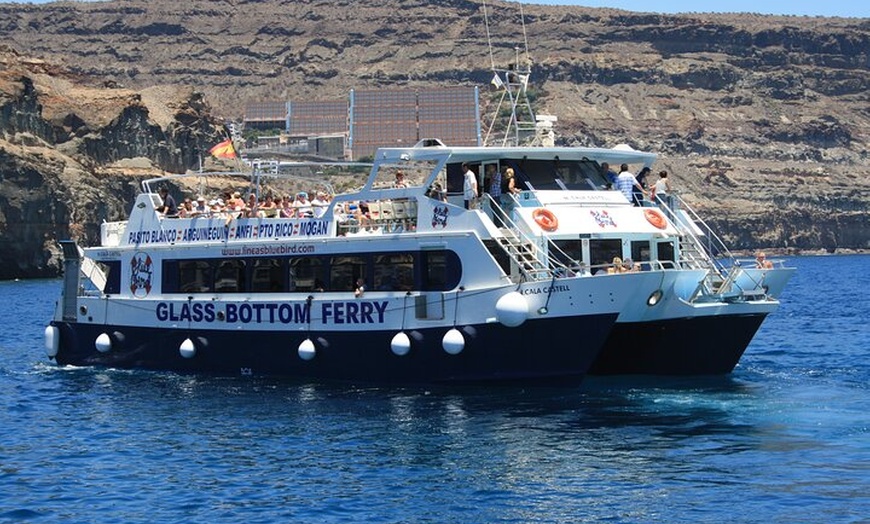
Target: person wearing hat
(235,203)
(200,208)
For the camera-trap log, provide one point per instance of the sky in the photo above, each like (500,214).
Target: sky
(847,8)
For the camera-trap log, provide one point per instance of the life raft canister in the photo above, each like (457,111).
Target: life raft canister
(546,219)
(655,218)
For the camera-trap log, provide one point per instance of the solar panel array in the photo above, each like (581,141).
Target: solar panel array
(449,114)
(317,117)
(382,118)
(378,118)
(266,114)
(391,118)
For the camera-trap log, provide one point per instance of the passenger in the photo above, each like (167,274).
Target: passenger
(495,192)
(169,208)
(235,203)
(252,207)
(509,190)
(201,208)
(661,189)
(287,210)
(400,180)
(608,174)
(360,288)
(626,183)
(637,193)
(269,208)
(469,187)
(437,192)
(615,267)
(303,205)
(495,184)
(216,208)
(186,209)
(320,203)
(761,261)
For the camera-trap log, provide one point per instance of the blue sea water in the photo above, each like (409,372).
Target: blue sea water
(785,438)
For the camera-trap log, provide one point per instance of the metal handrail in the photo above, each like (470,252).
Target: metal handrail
(552,267)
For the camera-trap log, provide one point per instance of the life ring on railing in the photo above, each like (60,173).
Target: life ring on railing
(546,219)
(655,218)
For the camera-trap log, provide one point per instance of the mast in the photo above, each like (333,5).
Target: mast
(512,80)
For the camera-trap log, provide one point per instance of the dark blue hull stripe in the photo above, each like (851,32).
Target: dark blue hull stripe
(541,349)
(709,345)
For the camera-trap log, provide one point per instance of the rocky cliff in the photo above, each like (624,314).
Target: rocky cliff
(65,156)
(762,120)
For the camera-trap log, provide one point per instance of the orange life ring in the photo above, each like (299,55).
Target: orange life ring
(546,219)
(655,218)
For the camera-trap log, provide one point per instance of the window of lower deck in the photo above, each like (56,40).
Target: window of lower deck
(229,276)
(666,254)
(267,275)
(393,272)
(306,274)
(194,276)
(439,270)
(603,251)
(112,271)
(344,271)
(569,252)
(640,252)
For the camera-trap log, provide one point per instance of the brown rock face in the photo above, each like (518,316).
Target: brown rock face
(762,121)
(59,148)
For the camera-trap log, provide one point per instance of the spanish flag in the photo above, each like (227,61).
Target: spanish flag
(223,150)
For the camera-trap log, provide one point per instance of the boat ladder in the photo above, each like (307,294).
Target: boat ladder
(525,255)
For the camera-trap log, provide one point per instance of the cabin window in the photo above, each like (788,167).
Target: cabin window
(230,276)
(344,271)
(640,252)
(194,276)
(306,274)
(440,270)
(603,251)
(393,272)
(267,275)
(666,254)
(113,277)
(569,252)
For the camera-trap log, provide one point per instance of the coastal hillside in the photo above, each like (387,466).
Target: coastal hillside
(763,121)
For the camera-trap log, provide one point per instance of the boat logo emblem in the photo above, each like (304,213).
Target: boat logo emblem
(141,271)
(602,218)
(439,216)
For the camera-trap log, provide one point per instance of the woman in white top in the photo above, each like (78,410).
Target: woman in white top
(662,188)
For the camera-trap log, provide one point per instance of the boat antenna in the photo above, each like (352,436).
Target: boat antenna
(488,37)
(513,82)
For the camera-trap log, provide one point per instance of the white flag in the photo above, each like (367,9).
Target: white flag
(496,81)
(524,79)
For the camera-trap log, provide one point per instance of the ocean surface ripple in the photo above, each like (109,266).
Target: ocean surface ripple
(785,438)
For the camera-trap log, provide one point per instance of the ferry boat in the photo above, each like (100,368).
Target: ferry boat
(386,284)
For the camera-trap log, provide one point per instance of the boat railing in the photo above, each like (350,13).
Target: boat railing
(724,267)
(695,252)
(533,263)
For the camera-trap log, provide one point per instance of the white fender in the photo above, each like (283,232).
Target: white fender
(512,309)
(306,349)
(52,341)
(187,348)
(453,342)
(401,344)
(103,343)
